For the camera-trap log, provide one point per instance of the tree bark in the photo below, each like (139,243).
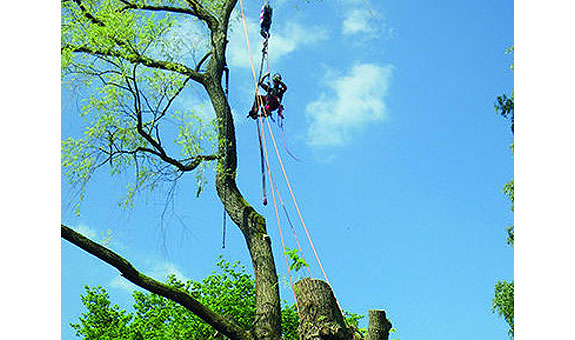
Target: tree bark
(379,326)
(319,313)
(220,323)
(252,225)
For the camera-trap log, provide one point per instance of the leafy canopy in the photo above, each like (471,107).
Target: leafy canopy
(128,64)
(503,303)
(230,291)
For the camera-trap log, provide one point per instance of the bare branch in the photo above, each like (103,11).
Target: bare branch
(180,296)
(202,61)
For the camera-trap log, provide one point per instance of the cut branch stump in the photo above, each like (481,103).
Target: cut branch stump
(378,327)
(319,313)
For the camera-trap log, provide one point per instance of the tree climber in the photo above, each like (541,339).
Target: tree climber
(271,101)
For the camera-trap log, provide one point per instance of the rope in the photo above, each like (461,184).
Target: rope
(295,202)
(275,188)
(302,221)
(280,124)
(227,71)
(261,133)
(264,199)
(256,81)
(291,227)
(277,214)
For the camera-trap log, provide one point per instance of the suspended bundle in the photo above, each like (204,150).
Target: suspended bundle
(266,20)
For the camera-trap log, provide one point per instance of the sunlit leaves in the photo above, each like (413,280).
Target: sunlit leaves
(230,291)
(194,133)
(505,107)
(505,104)
(78,164)
(297,262)
(503,303)
(100,41)
(102,319)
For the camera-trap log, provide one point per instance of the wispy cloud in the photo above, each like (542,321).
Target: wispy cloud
(87,231)
(293,35)
(352,102)
(158,271)
(285,39)
(357,21)
(361,20)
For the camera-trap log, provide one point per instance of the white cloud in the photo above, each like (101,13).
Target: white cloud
(201,108)
(120,282)
(284,40)
(363,21)
(87,231)
(291,36)
(354,101)
(159,271)
(357,21)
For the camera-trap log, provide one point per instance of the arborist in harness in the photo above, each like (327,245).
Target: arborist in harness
(271,101)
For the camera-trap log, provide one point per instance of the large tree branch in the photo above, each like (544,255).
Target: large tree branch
(127,270)
(227,9)
(165,8)
(134,56)
(203,14)
(158,149)
(139,59)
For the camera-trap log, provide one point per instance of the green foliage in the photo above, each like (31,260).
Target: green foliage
(102,320)
(297,262)
(508,189)
(503,303)
(504,291)
(290,322)
(99,41)
(392,332)
(511,50)
(352,321)
(505,107)
(505,104)
(230,292)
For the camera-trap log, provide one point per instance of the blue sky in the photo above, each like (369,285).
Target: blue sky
(390,109)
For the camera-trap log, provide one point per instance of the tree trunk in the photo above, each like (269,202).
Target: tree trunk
(378,327)
(253,225)
(319,313)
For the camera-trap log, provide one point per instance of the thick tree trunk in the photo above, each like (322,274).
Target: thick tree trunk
(319,313)
(252,224)
(378,327)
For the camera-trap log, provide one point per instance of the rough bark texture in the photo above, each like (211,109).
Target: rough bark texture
(378,327)
(320,316)
(251,224)
(220,323)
